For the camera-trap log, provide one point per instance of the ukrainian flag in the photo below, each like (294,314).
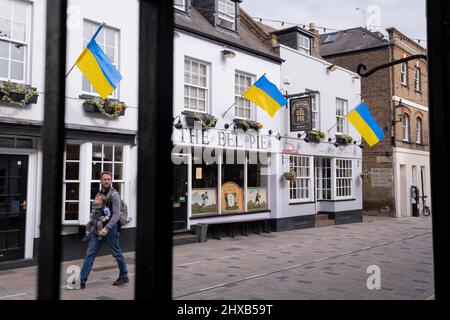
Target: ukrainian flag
(266,95)
(98,69)
(366,125)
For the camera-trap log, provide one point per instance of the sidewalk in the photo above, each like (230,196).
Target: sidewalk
(320,263)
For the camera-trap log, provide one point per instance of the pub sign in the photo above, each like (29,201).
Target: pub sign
(301,114)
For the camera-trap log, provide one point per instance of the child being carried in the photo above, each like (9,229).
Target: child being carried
(100,215)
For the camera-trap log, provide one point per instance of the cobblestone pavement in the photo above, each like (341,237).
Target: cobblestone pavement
(319,263)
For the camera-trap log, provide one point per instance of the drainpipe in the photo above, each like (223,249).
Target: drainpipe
(393,129)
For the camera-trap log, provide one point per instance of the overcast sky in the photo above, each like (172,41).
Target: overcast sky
(406,15)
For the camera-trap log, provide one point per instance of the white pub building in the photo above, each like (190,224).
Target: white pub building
(230,181)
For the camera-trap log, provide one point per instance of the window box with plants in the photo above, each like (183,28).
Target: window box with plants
(206,120)
(247,125)
(110,108)
(315,136)
(17,94)
(343,139)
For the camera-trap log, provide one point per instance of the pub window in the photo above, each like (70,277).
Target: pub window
(257,182)
(404,73)
(195,85)
(15,16)
(304,44)
(341,112)
(204,186)
(107,158)
(71,185)
(243,106)
(227,14)
(344,178)
(108,41)
(315,110)
(300,190)
(233,182)
(180,5)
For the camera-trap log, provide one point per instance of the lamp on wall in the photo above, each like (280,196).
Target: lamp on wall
(228,54)
(361,143)
(178,125)
(398,112)
(228,125)
(277,134)
(331,67)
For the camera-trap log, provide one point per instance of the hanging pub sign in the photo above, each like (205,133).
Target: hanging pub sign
(300,112)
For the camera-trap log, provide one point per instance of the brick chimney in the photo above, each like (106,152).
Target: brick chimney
(315,45)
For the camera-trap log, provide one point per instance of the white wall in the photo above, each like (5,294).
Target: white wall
(410,158)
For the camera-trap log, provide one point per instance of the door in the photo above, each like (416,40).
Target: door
(404,193)
(180,196)
(13,206)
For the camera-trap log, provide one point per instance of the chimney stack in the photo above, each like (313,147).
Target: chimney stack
(315,45)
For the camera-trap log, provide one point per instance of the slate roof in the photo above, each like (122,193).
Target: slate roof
(244,39)
(350,40)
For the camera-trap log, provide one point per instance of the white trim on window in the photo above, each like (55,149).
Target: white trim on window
(344,181)
(304,44)
(108,40)
(301,190)
(404,73)
(341,112)
(244,108)
(66,202)
(315,109)
(419,135)
(417,79)
(196,85)
(405,127)
(15,39)
(226,14)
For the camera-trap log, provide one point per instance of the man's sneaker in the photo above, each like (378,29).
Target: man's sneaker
(121,281)
(82,285)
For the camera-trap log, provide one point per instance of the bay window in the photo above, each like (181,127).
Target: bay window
(344,179)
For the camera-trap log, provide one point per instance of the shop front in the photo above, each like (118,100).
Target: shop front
(225,177)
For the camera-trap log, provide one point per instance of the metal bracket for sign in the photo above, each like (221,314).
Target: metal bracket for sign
(363,67)
(300,95)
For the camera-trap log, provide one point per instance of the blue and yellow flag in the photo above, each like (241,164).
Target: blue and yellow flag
(266,95)
(98,69)
(366,125)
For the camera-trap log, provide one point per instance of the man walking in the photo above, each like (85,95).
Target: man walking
(109,233)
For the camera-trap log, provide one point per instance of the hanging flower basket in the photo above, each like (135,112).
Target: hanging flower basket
(315,136)
(290,176)
(17,94)
(247,125)
(110,108)
(207,121)
(343,139)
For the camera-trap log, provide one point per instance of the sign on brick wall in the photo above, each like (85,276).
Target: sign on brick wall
(381,177)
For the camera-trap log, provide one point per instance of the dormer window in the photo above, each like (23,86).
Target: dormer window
(304,44)
(180,5)
(227,14)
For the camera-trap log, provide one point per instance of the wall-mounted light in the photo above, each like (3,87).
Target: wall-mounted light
(228,125)
(398,112)
(228,54)
(277,134)
(361,144)
(178,125)
(331,68)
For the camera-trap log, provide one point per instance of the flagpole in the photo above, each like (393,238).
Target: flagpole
(229,108)
(93,37)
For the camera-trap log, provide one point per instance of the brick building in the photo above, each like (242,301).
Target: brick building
(398,99)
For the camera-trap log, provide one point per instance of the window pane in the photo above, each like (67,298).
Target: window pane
(16,70)
(95,188)
(109,38)
(72,152)
(4,68)
(109,51)
(86,85)
(107,167)
(72,191)
(18,52)
(118,153)
(4,49)
(5,28)
(19,31)
(71,211)
(118,171)
(97,152)
(72,170)
(96,170)
(5,8)
(20,11)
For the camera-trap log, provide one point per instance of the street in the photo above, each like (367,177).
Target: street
(320,263)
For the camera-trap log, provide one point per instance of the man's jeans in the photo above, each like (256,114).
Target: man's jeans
(112,240)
